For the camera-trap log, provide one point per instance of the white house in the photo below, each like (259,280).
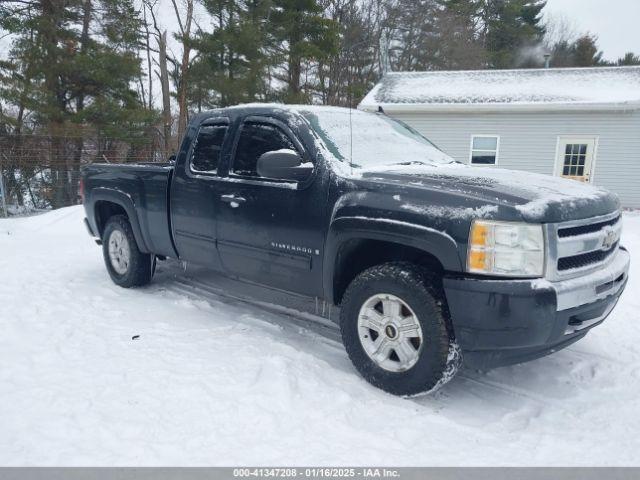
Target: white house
(578,123)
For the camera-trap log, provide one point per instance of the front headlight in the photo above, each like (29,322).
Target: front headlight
(506,248)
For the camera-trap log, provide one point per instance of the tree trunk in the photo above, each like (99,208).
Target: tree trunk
(184,71)
(295,70)
(148,52)
(166,99)
(79,141)
(55,100)
(295,66)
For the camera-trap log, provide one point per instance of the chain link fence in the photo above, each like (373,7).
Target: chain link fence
(43,171)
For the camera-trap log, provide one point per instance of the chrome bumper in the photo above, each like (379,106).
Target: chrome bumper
(594,286)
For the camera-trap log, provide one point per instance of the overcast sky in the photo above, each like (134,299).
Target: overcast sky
(615,22)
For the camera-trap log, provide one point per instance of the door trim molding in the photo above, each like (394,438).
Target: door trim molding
(268,255)
(196,236)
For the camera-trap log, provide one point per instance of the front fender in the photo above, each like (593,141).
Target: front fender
(345,228)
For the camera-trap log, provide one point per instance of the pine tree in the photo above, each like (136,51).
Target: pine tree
(629,59)
(509,26)
(460,35)
(301,33)
(414,34)
(233,60)
(562,55)
(586,53)
(73,63)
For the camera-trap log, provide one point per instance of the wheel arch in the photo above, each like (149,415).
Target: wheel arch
(110,202)
(353,245)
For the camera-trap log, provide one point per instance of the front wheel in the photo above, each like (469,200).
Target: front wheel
(127,266)
(394,328)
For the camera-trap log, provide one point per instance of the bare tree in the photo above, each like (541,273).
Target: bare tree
(456,44)
(345,77)
(148,52)
(161,39)
(166,98)
(185,22)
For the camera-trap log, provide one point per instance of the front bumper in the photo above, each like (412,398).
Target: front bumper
(501,322)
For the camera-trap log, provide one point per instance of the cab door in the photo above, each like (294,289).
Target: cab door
(194,194)
(270,230)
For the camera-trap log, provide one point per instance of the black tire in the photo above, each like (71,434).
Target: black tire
(139,270)
(412,285)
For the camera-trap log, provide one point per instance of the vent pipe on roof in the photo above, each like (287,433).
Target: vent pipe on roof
(547,60)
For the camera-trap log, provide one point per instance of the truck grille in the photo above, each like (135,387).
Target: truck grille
(583,229)
(585,259)
(579,246)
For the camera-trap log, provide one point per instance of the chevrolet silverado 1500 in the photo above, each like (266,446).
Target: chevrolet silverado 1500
(428,259)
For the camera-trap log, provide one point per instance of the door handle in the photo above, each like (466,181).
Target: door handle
(232,199)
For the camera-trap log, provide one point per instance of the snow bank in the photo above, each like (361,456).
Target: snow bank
(213,382)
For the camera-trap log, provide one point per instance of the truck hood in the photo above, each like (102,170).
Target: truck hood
(532,197)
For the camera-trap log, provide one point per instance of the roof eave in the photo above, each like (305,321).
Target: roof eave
(498,107)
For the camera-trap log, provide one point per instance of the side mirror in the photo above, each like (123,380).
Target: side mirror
(172,158)
(283,164)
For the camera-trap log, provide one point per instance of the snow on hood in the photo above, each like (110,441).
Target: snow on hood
(535,196)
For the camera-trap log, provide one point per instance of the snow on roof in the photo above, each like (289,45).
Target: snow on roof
(541,88)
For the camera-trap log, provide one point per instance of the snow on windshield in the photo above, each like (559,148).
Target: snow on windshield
(371,140)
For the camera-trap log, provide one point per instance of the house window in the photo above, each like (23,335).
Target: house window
(484,149)
(575,157)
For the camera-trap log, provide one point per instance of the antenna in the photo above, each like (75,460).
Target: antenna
(350,100)
(385,63)
(350,133)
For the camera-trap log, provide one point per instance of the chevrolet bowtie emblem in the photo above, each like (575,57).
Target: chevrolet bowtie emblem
(610,238)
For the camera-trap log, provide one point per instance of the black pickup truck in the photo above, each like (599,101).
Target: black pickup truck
(429,260)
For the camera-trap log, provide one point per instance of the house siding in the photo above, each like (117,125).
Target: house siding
(528,141)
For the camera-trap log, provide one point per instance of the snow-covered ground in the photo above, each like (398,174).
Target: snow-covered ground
(213,382)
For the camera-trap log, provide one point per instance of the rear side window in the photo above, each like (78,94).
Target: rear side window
(255,139)
(208,148)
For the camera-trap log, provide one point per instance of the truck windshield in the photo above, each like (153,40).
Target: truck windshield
(372,140)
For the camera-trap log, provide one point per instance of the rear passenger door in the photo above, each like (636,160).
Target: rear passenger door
(270,230)
(194,195)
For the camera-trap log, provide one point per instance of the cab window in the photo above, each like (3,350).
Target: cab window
(208,148)
(256,139)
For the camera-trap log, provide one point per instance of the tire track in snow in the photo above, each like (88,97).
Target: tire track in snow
(316,326)
(515,392)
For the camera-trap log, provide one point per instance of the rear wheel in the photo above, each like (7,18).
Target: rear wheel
(127,266)
(394,327)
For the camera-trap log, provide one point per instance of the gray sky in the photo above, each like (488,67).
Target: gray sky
(615,22)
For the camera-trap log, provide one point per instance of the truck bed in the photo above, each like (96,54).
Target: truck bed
(146,186)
